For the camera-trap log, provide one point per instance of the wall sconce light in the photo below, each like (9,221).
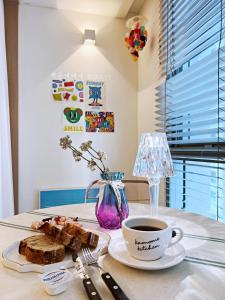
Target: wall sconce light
(89,37)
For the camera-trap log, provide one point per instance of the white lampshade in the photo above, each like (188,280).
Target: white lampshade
(153,159)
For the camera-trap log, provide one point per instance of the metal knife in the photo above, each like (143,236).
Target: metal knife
(87,282)
(91,260)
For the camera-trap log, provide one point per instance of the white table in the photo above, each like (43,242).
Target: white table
(200,277)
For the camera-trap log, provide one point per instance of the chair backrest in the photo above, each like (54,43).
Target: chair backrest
(63,196)
(137,190)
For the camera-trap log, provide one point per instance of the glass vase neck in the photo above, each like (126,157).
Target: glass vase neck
(112,176)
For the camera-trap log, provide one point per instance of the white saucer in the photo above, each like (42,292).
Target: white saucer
(173,256)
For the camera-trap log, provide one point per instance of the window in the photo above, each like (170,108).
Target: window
(191,103)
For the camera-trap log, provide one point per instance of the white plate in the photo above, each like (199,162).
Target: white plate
(13,260)
(173,256)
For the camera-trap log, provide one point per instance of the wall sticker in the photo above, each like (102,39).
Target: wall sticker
(95,94)
(68,90)
(99,121)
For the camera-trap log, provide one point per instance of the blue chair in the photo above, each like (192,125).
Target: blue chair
(136,191)
(64,196)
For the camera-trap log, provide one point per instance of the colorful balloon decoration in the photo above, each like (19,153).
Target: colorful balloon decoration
(136,39)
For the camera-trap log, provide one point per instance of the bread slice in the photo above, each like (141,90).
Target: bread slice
(39,249)
(70,235)
(92,241)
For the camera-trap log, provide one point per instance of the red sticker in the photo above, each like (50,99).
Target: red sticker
(68,83)
(66,96)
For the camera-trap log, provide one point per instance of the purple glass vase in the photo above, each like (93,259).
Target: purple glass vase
(111,207)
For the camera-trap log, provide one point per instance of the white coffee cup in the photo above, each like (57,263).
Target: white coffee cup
(147,238)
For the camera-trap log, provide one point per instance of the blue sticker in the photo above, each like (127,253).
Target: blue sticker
(79,85)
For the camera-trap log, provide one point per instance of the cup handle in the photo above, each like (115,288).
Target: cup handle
(178,237)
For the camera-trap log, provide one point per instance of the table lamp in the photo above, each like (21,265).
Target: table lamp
(153,162)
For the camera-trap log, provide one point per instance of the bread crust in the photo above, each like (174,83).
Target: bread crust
(40,249)
(70,235)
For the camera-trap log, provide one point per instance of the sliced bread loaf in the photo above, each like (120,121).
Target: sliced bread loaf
(70,235)
(40,249)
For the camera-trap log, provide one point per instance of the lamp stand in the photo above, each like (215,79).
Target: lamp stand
(154,199)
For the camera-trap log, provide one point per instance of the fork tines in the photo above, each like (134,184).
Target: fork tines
(88,256)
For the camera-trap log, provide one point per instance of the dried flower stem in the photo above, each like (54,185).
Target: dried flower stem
(104,169)
(99,158)
(66,143)
(88,160)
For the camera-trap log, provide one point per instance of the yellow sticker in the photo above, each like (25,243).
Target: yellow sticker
(80,86)
(57,97)
(73,128)
(74,97)
(65,89)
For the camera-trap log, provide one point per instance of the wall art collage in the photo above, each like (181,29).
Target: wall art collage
(83,105)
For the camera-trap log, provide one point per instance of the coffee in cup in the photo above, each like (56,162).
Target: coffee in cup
(147,238)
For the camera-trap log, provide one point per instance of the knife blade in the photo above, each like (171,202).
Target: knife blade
(87,282)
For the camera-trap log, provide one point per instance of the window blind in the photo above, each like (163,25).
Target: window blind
(190,102)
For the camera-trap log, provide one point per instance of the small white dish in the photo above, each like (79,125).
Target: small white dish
(172,256)
(56,281)
(13,260)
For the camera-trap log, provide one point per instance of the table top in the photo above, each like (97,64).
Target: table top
(201,276)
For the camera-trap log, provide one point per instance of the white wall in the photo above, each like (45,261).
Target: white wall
(148,69)
(50,41)
(149,75)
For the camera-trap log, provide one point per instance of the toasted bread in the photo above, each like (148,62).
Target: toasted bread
(70,235)
(40,249)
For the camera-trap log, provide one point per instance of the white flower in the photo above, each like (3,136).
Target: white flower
(91,165)
(102,155)
(86,146)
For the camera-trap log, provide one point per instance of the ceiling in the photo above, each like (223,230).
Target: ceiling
(112,8)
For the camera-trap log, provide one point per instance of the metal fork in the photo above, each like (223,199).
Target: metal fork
(91,259)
